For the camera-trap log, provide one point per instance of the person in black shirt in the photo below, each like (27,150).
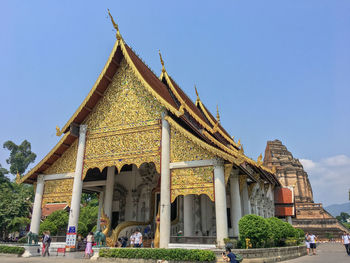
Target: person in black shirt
(229,256)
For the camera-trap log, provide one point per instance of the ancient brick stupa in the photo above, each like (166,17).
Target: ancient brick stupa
(310,216)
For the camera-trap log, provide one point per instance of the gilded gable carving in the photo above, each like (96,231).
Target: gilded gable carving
(199,180)
(58,191)
(183,149)
(125,102)
(124,127)
(66,163)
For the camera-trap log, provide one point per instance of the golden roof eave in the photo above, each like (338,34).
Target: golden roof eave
(44,160)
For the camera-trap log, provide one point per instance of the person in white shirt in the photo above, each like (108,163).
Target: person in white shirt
(346,240)
(137,238)
(307,243)
(312,240)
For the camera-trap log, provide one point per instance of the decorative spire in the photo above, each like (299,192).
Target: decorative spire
(115,25)
(217,114)
(260,159)
(58,131)
(197,100)
(161,61)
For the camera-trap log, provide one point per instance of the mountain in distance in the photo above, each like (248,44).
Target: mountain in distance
(336,209)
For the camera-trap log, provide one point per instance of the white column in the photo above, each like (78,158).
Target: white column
(188,216)
(165,186)
(235,204)
(100,205)
(220,203)
(204,214)
(78,182)
(36,215)
(109,192)
(246,200)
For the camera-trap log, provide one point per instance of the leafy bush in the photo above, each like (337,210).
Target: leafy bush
(11,250)
(60,219)
(160,254)
(256,229)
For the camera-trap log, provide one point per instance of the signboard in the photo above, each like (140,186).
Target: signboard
(71,229)
(71,238)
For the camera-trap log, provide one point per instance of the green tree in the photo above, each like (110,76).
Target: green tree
(60,219)
(3,177)
(20,156)
(343,217)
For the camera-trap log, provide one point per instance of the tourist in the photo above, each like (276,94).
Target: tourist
(229,256)
(47,242)
(312,240)
(119,242)
(307,243)
(42,240)
(137,238)
(345,239)
(89,241)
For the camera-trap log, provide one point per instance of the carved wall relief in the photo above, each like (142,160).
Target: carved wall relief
(199,180)
(58,191)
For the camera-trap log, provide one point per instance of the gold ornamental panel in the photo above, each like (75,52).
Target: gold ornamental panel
(58,191)
(123,146)
(126,102)
(66,163)
(199,180)
(182,149)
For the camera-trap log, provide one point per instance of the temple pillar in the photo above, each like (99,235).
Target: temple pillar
(235,203)
(220,203)
(36,215)
(204,227)
(246,200)
(100,205)
(188,216)
(78,182)
(108,202)
(165,206)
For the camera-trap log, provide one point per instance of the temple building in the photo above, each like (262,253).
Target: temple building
(149,151)
(306,214)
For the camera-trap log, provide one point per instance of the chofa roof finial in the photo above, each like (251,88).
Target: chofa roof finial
(161,61)
(217,113)
(115,25)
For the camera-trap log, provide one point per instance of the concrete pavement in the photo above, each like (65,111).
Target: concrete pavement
(326,252)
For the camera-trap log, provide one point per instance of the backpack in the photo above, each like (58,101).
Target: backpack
(239,257)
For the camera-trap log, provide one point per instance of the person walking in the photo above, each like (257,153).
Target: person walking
(89,241)
(312,240)
(346,240)
(307,243)
(47,242)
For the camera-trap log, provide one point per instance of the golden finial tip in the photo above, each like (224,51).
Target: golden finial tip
(161,61)
(217,113)
(115,25)
(195,88)
(58,131)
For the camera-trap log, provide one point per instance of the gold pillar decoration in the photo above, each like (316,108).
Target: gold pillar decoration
(199,180)
(228,169)
(250,188)
(58,191)
(242,181)
(157,234)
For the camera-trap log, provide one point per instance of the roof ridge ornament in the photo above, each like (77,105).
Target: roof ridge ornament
(115,25)
(217,114)
(161,61)
(58,131)
(198,99)
(259,161)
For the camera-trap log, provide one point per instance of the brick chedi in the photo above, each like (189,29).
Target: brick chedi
(289,170)
(309,216)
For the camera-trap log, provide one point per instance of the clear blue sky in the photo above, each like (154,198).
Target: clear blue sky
(277,69)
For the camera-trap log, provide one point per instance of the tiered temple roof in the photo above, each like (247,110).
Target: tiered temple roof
(193,118)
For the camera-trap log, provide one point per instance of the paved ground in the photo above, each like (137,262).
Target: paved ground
(326,253)
(330,252)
